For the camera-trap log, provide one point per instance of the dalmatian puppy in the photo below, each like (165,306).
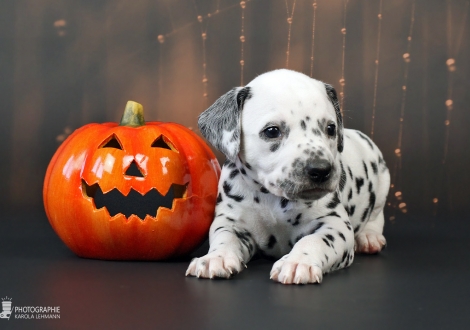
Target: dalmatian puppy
(296,185)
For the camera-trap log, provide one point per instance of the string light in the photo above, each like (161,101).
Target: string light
(396,178)
(242,43)
(342,81)
(312,56)
(290,18)
(376,75)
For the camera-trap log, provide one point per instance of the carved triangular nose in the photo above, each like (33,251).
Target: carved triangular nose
(134,170)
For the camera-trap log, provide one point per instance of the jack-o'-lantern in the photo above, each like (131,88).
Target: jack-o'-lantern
(133,190)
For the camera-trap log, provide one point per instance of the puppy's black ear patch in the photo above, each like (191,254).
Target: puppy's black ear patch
(331,92)
(220,123)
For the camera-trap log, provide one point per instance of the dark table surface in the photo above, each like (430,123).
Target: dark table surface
(421,281)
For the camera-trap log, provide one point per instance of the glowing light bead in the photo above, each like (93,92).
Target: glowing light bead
(409,38)
(314,5)
(406,57)
(449,104)
(204,36)
(342,82)
(451,64)
(398,152)
(403,87)
(289,20)
(398,194)
(161,38)
(377,62)
(243,4)
(242,38)
(379,16)
(199,19)
(242,62)
(60,23)
(435,200)
(204,95)
(402,205)
(343,30)
(204,80)
(447,122)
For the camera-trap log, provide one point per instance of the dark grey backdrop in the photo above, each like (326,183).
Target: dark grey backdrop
(64,64)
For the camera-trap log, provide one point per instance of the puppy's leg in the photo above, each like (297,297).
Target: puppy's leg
(328,248)
(370,238)
(229,251)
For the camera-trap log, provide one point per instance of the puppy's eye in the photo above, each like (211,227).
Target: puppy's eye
(272,132)
(331,130)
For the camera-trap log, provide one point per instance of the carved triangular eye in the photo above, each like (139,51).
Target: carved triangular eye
(134,170)
(160,143)
(112,142)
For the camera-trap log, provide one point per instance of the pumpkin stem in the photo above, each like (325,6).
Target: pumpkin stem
(133,115)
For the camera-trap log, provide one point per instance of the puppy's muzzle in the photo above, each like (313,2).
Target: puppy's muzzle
(319,171)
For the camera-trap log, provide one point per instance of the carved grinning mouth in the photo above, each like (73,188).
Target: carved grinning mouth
(134,203)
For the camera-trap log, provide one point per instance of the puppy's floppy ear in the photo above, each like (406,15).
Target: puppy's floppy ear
(220,123)
(331,92)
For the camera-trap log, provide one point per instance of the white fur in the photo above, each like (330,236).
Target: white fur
(268,203)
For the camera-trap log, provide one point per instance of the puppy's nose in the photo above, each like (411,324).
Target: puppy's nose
(319,171)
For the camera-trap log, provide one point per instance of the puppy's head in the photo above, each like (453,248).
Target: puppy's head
(286,129)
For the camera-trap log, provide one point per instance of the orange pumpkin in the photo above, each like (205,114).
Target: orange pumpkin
(132,190)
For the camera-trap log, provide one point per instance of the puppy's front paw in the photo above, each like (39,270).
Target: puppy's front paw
(369,241)
(296,270)
(216,264)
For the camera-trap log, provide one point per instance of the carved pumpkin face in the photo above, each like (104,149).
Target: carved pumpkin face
(132,191)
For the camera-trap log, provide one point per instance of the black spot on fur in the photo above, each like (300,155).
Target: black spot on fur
(350,195)
(219,199)
(303,125)
(359,184)
(264,190)
(326,242)
(342,236)
(227,187)
(230,219)
(275,146)
(243,171)
(350,210)
(297,219)
(365,169)
(219,228)
(350,173)
(326,258)
(330,237)
(343,178)
(234,173)
(333,214)
(229,164)
(244,238)
(272,241)
(256,199)
(284,202)
(371,187)
(374,167)
(345,255)
(248,166)
(319,225)
(230,206)
(365,138)
(334,202)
